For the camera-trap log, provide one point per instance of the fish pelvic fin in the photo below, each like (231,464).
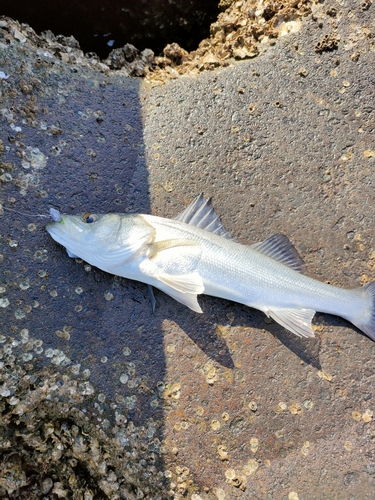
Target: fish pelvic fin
(152,298)
(184,283)
(188,299)
(297,321)
(200,213)
(366,321)
(71,254)
(183,288)
(279,247)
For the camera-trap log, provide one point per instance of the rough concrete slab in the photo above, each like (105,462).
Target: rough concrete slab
(221,405)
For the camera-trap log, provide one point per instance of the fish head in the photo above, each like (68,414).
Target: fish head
(103,240)
(86,232)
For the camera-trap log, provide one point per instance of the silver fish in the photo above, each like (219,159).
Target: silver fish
(194,254)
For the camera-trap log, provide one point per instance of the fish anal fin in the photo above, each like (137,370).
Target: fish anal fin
(297,321)
(200,213)
(159,246)
(279,248)
(184,283)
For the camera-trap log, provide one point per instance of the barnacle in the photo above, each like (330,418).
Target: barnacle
(327,43)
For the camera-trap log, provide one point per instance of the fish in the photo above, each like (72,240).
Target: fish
(194,254)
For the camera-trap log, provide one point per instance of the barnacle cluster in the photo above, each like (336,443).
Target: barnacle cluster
(50,448)
(131,60)
(238,33)
(327,43)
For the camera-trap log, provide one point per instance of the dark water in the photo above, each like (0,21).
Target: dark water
(102,25)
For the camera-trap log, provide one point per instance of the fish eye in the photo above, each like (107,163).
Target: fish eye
(90,218)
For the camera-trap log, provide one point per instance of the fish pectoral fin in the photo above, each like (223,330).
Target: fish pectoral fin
(297,321)
(184,283)
(159,246)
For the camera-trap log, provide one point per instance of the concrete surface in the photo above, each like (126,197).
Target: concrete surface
(222,405)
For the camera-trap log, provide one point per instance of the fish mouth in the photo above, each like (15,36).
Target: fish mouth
(64,232)
(60,237)
(55,230)
(53,227)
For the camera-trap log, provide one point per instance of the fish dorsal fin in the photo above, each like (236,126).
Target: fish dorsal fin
(200,213)
(278,247)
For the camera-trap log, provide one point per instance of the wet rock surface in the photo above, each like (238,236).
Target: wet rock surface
(101,399)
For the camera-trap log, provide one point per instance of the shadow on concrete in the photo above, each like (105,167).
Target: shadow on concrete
(203,329)
(77,144)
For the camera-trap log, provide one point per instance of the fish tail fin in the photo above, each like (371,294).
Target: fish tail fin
(366,320)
